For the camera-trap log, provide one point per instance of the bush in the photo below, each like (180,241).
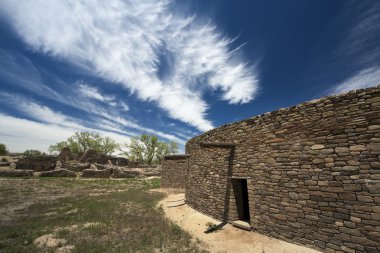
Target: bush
(3,149)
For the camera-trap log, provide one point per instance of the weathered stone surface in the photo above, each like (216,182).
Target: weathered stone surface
(92,156)
(77,167)
(358,148)
(96,173)
(312,172)
(342,150)
(317,146)
(173,174)
(58,173)
(16,173)
(37,163)
(293,195)
(128,173)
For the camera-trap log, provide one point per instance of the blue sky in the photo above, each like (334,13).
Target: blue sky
(173,68)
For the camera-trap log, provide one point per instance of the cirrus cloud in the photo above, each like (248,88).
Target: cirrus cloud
(124,41)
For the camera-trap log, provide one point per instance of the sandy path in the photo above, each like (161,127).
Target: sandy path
(229,239)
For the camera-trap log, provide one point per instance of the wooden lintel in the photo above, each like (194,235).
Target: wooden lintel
(177,156)
(237,177)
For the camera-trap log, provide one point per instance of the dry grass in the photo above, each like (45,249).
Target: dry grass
(79,215)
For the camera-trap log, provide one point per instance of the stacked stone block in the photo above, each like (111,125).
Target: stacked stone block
(173,171)
(37,163)
(313,172)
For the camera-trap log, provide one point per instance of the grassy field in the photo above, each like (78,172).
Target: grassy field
(78,215)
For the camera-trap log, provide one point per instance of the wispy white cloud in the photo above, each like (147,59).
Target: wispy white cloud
(121,122)
(123,42)
(92,92)
(103,123)
(44,126)
(124,106)
(364,79)
(21,134)
(20,71)
(361,42)
(360,47)
(37,111)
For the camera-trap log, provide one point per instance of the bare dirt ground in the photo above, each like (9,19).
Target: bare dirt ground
(228,239)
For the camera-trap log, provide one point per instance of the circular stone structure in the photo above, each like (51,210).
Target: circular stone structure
(308,174)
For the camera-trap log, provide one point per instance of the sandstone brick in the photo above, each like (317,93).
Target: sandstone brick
(374,127)
(373,147)
(317,146)
(293,195)
(342,150)
(358,148)
(346,249)
(347,196)
(349,224)
(318,161)
(311,182)
(375,216)
(355,219)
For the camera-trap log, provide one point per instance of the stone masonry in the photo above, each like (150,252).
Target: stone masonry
(37,163)
(173,171)
(312,172)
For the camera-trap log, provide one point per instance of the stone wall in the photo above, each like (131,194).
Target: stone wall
(173,171)
(37,163)
(312,171)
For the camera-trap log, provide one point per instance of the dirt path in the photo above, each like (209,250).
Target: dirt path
(229,239)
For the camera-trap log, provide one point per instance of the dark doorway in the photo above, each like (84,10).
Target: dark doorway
(241,198)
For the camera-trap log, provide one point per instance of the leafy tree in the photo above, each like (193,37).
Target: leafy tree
(164,149)
(108,145)
(3,149)
(147,149)
(58,147)
(33,152)
(82,141)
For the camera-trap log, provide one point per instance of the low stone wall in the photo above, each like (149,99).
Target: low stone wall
(37,163)
(16,173)
(312,172)
(173,171)
(58,173)
(91,173)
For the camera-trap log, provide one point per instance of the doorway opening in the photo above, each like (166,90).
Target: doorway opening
(240,190)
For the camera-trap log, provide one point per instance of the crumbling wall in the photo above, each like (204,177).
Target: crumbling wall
(312,171)
(173,171)
(37,163)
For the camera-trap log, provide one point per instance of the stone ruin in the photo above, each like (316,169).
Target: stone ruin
(37,163)
(308,174)
(87,164)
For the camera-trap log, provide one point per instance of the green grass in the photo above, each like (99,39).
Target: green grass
(124,215)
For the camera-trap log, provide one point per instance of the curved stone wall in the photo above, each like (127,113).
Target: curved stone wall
(312,172)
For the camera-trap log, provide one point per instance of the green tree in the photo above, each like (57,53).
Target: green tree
(3,149)
(82,141)
(165,149)
(108,145)
(33,152)
(58,147)
(147,149)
